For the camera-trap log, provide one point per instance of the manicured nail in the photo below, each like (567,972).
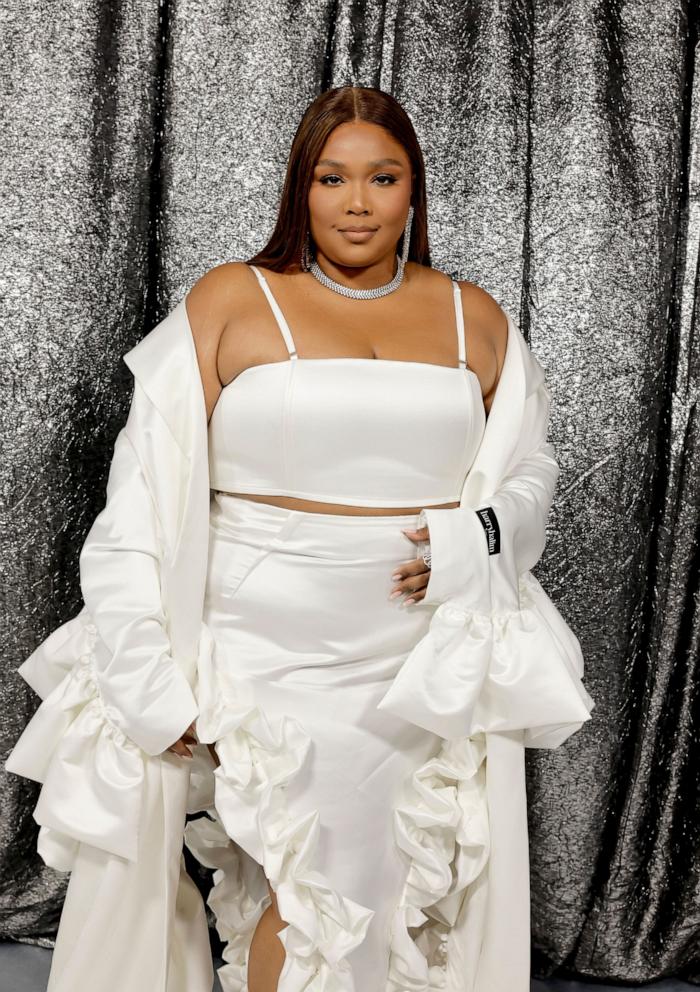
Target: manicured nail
(408,602)
(396,576)
(406,530)
(395,594)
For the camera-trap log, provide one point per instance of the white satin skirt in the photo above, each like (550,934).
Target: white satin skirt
(356,817)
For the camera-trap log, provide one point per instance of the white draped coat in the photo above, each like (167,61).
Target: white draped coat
(118,684)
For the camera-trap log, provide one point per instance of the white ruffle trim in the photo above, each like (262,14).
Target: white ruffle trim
(258,760)
(91,773)
(475,672)
(238,897)
(442,825)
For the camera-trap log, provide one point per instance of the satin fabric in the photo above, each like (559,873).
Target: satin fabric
(266,437)
(354,815)
(111,933)
(145,573)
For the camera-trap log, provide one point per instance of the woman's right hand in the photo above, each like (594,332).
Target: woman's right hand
(180,745)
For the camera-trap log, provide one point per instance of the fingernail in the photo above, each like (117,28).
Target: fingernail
(407,602)
(406,530)
(396,576)
(395,594)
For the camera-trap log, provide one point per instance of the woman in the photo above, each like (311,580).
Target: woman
(366,809)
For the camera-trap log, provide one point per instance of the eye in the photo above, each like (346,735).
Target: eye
(392,179)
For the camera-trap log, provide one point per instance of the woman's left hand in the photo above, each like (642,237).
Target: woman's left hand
(412,576)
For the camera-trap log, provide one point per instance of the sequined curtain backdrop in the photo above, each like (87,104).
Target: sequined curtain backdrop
(144,143)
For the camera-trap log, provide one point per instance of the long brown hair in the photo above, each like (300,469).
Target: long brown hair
(341,105)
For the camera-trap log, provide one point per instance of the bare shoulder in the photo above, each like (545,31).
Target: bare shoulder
(211,298)
(209,304)
(488,328)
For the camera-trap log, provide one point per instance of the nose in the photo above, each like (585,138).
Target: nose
(357,202)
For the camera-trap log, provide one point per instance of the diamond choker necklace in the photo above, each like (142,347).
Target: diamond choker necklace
(375,291)
(359,294)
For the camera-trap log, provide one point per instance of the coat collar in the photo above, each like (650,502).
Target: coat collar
(165,365)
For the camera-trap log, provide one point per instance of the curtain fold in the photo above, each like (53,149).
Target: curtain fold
(144,143)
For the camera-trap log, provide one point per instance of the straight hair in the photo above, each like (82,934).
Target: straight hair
(344,104)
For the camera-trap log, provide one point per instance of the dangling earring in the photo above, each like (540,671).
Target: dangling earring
(307,257)
(407,236)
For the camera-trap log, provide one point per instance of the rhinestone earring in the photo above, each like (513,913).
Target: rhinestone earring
(407,236)
(306,253)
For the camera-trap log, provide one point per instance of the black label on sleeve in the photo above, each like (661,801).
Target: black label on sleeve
(489,522)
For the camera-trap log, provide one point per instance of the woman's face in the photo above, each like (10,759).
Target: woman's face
(362,179)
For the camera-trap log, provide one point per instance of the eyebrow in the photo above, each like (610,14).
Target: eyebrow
(373,165)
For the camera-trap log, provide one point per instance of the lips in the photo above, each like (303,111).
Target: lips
(357,230)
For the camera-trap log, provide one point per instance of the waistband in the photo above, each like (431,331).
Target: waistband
(330,535)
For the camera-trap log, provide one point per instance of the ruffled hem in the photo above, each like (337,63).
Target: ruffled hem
(442,825)
(237,898)
(92,774)
(259,758)
(510,670)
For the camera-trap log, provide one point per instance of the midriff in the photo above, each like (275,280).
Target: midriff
(313,506)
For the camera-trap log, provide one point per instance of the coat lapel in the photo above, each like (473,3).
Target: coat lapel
(171,439)
(164,363)
(520,376)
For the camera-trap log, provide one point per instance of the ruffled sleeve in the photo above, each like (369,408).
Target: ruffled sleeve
(498,655)
(116,687)
(91,773)
(508,670)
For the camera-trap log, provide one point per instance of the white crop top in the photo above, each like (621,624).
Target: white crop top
(359,431)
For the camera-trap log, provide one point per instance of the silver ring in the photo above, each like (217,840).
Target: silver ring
(427,557)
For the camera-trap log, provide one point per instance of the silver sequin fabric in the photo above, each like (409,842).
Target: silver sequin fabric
(143,143)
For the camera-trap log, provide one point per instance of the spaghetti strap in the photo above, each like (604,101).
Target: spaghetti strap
(279,316)
(459,315)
